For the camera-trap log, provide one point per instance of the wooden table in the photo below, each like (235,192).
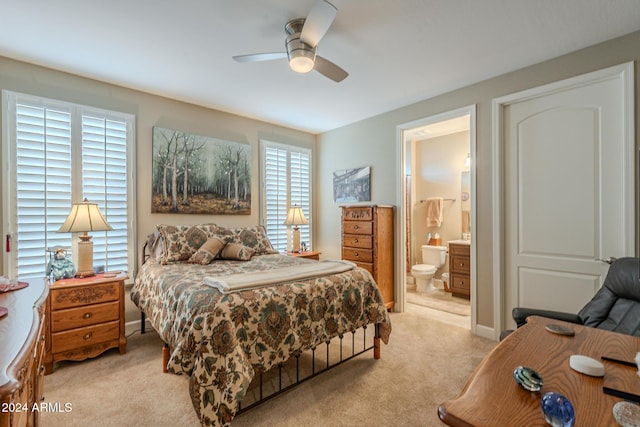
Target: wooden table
(491,397)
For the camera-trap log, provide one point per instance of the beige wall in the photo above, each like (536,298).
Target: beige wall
(152,110)
(373,142)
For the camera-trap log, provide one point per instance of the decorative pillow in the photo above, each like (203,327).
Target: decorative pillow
(182,241)
(237,252)
(252,237)
(209,250)
(155,245)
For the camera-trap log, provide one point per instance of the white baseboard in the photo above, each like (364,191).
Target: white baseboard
(134,325)
(486,332)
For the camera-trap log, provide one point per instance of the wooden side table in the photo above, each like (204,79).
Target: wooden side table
(85,318)
(307,254)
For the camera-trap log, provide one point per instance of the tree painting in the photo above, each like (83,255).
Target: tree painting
(195,174)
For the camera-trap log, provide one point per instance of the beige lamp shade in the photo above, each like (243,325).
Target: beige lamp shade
(296,217)
(85,217)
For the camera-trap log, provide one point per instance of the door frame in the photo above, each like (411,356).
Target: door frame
(624,72)
(400,273)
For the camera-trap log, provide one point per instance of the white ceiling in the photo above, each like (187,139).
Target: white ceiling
(396,52)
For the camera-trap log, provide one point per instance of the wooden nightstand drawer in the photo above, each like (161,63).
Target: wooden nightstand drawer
(356,241)
(357,227)
(70,318)
(361,255)
(82,337)
(82,295)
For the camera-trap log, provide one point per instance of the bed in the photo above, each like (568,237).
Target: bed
(222,333)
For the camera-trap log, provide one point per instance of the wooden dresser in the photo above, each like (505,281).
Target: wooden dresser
(459,269)
(367,240)
(86,318)
(22,346)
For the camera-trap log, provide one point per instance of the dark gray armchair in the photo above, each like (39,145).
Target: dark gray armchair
(615,307)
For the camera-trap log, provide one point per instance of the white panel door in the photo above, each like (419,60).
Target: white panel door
(566,183)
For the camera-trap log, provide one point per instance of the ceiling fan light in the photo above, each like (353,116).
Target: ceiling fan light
(301,64)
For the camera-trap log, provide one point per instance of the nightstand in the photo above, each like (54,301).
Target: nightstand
(307,254)
(85,317)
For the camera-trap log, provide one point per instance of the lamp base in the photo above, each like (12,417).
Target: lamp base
(85,258)
(296,239)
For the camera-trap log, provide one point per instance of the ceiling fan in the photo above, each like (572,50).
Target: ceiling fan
(303,36)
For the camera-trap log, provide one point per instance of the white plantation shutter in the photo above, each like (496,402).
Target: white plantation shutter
(43,185)
(64,153)
(104,171)
(286,181)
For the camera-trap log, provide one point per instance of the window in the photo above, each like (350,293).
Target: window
(286,180)
(61,153)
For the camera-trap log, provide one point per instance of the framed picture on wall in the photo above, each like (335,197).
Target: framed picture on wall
(352,185)
(194,174)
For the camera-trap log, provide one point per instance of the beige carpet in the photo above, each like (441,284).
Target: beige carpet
(440,300)
(425,363)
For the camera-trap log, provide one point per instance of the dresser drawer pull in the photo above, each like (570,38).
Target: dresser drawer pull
(356,254)
(356,227)
(88,336)
(87,316)
(355,241)
(462,264)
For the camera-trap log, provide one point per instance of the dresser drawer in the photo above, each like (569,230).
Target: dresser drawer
(83,295)
(361,255)
(70,318)
(459,284)
(357,227)
(357,241)
(364,213)
(460,264)
(82,337)
(366,265)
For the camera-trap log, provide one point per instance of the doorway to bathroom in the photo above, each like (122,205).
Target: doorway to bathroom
(437,216)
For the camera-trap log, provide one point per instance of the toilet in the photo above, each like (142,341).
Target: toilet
(433,257)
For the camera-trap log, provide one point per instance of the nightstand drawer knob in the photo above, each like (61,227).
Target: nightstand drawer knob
(88,336)
(355,241)
(87,316)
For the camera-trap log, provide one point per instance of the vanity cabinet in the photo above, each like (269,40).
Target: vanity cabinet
(367,240)
(459,269)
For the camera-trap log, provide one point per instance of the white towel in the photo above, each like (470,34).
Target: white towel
(435,208)
(258,279)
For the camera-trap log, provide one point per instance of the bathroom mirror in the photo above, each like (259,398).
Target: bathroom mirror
(465,198)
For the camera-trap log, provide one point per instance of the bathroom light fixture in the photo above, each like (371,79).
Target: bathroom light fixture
(296,217)
(467,162)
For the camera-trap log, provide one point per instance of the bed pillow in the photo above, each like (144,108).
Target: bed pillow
(251,237)
(236,251)
(209,250)
(182,241)
(154,245)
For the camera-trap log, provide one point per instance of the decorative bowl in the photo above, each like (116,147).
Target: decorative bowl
(627,414)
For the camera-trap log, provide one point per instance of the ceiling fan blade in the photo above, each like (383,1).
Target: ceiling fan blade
(255,57)
(318,22)
(329,69)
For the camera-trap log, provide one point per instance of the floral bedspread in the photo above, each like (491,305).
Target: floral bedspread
(220,340)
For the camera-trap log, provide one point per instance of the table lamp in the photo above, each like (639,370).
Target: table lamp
(84,217)
(296,217)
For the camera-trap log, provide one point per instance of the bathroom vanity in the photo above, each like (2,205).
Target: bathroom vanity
(460,268)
